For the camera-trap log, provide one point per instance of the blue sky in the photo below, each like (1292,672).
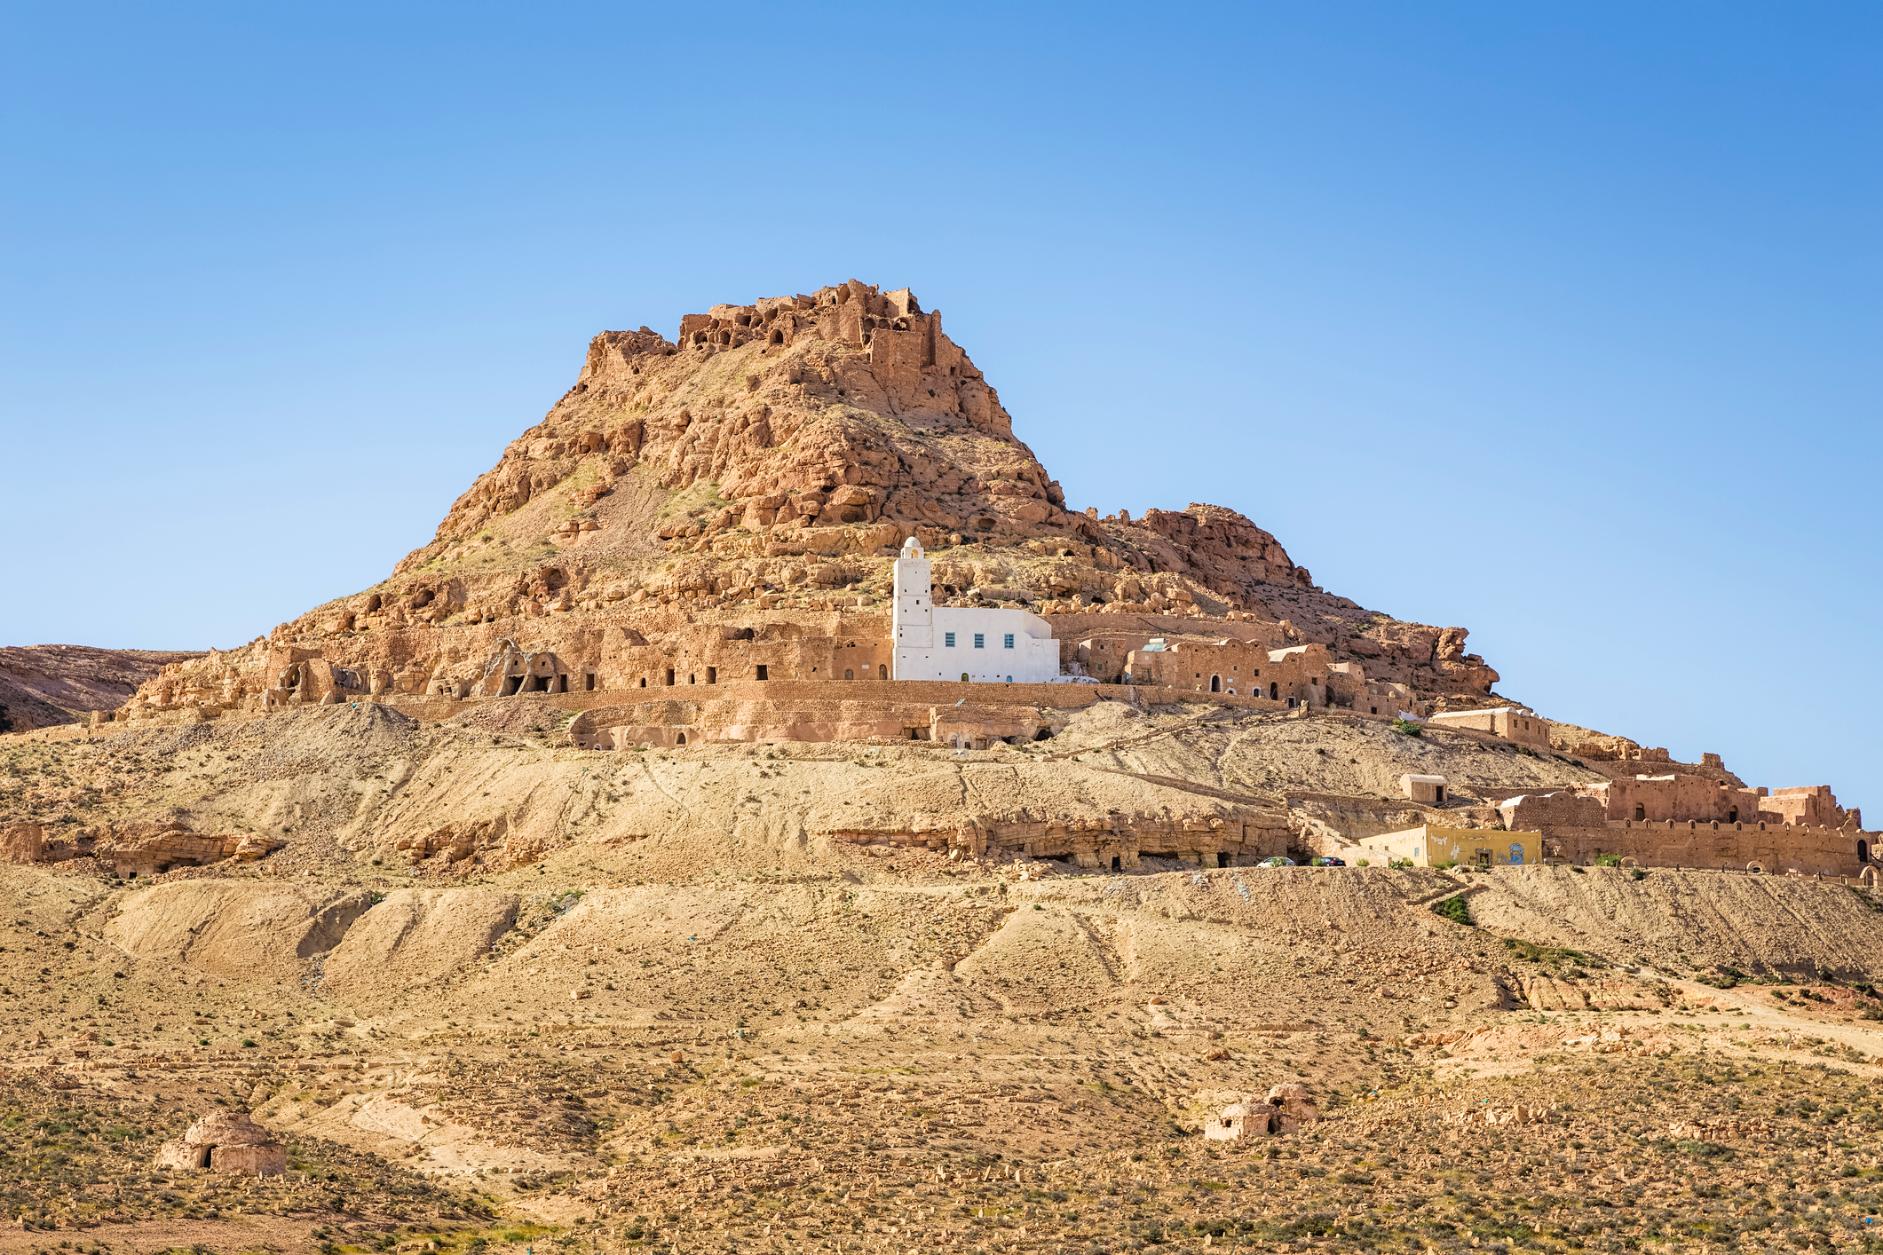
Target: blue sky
(1560,322)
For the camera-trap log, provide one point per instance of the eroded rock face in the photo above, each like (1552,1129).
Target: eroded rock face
(43,685)
(136,848)
(756,475)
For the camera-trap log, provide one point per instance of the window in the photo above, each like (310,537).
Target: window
(764,671)
(948,640)
(1007,641)
(980,640)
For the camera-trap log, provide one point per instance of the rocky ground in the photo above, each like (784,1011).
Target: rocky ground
(497,993)
(637,1002)
(44,685)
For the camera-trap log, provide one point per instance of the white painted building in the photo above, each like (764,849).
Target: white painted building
(959,643)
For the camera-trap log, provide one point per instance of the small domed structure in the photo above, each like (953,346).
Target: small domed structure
(225,1141)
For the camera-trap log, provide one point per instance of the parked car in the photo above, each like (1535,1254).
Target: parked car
(1326,860)
(1276,860)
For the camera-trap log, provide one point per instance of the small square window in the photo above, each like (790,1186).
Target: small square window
(948,640)
(1008,642)
(980,640)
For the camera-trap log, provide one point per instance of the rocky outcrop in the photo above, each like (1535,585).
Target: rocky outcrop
(44,685)
(756,474)
(142,849)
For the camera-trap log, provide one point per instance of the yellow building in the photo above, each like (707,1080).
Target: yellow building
(1434,845)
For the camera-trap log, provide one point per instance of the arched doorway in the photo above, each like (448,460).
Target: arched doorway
(1216,684)
(882,671)
(1863,850)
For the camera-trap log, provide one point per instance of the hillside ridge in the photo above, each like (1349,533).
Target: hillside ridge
(760,470)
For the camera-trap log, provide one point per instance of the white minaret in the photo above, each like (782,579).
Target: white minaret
(912,622)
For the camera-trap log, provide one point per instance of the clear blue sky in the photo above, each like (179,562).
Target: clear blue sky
(1557,321)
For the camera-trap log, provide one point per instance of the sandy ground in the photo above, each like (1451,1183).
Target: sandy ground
(654,1011)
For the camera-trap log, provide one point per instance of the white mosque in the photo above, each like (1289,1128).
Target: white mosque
(950,643)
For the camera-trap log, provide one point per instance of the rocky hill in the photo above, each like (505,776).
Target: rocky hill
(45,685)
(761,469)
(513,969)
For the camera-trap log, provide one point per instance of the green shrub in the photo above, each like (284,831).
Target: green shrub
(1408,727)
(1608,860)
(1455,909)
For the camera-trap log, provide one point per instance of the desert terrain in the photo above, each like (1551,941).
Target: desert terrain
(604,879)
(688,1022)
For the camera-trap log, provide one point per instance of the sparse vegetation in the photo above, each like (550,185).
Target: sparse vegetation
(1455,908)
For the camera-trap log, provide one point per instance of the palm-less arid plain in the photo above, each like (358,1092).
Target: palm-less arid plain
(765,818)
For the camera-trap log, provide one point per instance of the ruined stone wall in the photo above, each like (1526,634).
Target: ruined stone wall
(1678,797)
(676,723)
(1556,808)
(1503,722)
(1813,804)
(1296,675)
(1771,847)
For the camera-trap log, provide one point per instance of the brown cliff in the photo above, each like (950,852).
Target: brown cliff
(755,477)
(44,685)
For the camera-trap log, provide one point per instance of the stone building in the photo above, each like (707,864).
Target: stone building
(1813,805)
(1285,1109)
(511,671)
(225,1141)
(1296,675)
(1507,722)
(1677,796)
